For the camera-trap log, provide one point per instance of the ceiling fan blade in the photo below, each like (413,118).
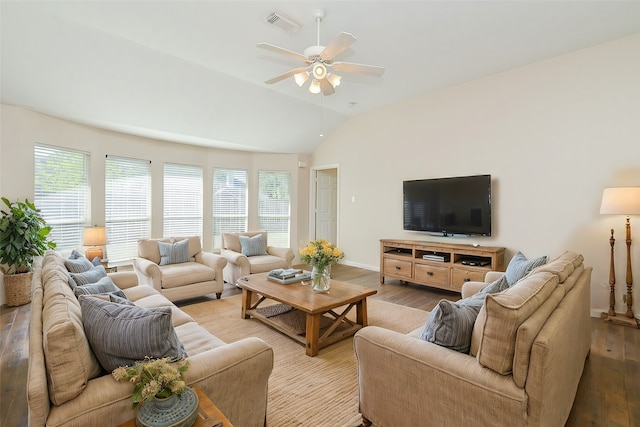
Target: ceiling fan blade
(326,87)
(337,46)
(283,51)
(350,67)
(285,75)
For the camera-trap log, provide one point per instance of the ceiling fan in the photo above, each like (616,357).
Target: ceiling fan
(319,65)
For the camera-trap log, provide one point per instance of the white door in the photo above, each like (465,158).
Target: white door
(327,205)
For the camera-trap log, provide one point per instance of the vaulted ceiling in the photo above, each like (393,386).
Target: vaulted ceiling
(190,71)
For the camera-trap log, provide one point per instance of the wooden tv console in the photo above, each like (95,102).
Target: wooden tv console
(404,260)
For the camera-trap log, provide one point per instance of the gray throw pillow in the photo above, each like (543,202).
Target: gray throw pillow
(252,246)
(89,276)
(520,266)
(174,253)
(102,286)
(450,324)
(124,334)
(78,265)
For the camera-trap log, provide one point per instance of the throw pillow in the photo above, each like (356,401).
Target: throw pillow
(252,246)
(450,324)
(102,286)
(75,254)
(89,276)
(174,253)
(78,265)
(122,334)
(520,266)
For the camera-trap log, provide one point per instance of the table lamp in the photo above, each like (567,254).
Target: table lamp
(94,237)
(621,201)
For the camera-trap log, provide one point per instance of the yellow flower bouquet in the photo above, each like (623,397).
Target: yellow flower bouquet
(321,255)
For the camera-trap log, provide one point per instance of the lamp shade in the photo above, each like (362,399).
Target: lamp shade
(621,201)
(94,236)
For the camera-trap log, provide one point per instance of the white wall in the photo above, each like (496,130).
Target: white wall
(552,134)
(21,129)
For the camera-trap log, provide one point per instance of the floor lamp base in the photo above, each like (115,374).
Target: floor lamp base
(620,319)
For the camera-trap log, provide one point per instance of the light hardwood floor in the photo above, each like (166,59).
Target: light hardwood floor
(608,394)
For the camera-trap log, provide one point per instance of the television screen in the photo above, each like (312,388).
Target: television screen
(448,206)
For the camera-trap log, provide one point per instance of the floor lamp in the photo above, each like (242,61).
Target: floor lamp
(621,201)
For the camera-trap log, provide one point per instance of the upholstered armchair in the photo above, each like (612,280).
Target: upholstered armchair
(248,253)
(178,269)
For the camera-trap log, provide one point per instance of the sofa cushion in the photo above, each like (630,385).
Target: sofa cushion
(450,324)
(264,263)
(494,334)
(186,273)
(69,360)
(520,266)
(149,248)
(563,265)
(527,333)
(174,253)
(89,276)
(252,246)
(121,334)
(231,241)
(102,286)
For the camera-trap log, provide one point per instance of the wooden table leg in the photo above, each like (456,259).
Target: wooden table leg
(312,333)
(246,302)
(361,312)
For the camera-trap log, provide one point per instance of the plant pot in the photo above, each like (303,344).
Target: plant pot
(172,411)
(17,288)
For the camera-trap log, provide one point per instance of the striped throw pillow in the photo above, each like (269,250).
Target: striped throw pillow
(174,253)
(520,266)
(252,246)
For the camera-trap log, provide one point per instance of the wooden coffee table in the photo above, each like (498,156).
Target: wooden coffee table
(308,317)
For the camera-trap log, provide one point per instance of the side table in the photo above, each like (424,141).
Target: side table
(105,264)
(209,415)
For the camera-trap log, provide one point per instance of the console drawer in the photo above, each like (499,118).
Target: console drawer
(396,267)
(431,274)
(459,276)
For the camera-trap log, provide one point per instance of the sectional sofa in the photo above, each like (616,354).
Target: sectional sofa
(67,386)
(528,348)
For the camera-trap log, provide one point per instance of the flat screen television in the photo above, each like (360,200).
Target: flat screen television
(448,206)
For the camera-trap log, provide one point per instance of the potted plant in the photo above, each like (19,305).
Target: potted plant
(24,235)
(159,386)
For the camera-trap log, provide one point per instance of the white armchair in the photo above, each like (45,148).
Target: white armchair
(198,274)
(248,253)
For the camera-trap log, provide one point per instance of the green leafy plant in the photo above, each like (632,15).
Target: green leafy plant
(24,235)
(153,378)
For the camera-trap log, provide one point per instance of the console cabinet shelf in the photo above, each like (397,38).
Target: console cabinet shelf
(439,265)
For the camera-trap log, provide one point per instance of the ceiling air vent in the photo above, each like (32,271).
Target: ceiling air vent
(283,22)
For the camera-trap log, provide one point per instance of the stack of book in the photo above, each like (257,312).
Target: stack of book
(286,276)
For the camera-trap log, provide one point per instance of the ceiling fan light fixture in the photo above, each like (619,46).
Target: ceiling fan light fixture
(301,78)
(334,79)
(319,71)
(314,87)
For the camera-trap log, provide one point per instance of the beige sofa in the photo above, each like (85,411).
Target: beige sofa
(239,265)
(67,387)
(200,275)
(528,349)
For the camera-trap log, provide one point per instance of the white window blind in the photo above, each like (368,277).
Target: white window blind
(229,203)
(182,200)
(62,193)
(127,206)
(274,206)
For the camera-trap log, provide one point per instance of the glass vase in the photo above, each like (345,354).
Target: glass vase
(321,279)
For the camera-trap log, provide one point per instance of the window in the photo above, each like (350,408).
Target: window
(62,193)
(229,203)
(127,206)
(274,206)
(182,200)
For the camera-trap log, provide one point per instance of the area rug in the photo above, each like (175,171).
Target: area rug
(305,391)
